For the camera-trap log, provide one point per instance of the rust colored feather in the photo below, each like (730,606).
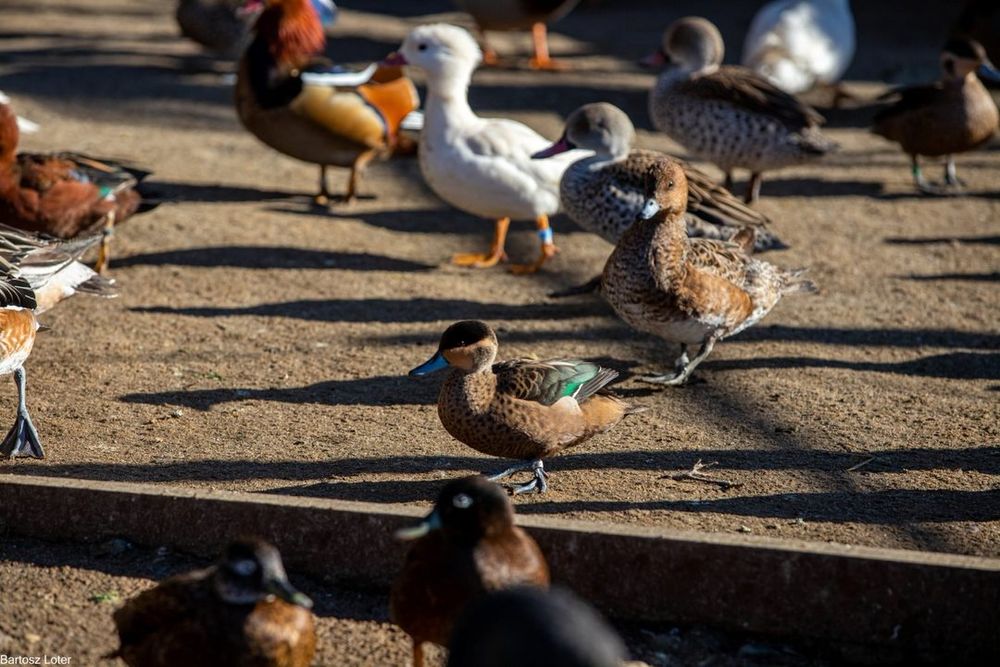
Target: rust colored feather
(293,32)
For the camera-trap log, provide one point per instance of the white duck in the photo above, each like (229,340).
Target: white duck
(800,44)
(480,165)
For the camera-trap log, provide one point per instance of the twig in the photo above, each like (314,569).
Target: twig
(861,465)
(695,474)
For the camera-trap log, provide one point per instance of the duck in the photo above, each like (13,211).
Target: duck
(798,45)
(65,195)
(518,15)
(222,27)
(953,115)
(18,328)
(526,409)
(240,611)
(729,115)
(530,626)
(25,125)
(290,101)
(466,547)
(684,290)
(604,193)
(482,166)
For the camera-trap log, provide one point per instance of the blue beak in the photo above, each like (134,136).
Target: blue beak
(435,363)
(989,72)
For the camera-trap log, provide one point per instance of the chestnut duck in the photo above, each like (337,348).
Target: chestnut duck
(480,165)
(241,611)
(467,547)
(518,15)
(526,409)
(326,118)
(729,115)
(954,115)
(687,291)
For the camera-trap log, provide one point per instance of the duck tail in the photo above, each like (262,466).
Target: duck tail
(98,285)
(632,409)
(795,282)
(812,142)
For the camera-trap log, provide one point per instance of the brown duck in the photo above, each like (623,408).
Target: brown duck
(242,612)
(524,409)
(323,118)
(66,195)
(467,547)
(954,115)
(687,291)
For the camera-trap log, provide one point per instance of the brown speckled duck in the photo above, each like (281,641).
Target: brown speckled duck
(687,291)
(240,612)
(518,15)
(604,192)
(324,118)
(954,115)
(729,115)
(524,409)
(467,547)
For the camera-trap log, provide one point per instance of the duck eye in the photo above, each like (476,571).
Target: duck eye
(421,47)
(670,184)
(462,501)
(244,567)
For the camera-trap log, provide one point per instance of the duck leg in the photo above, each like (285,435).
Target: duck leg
(418,653)
(359,165)
(496,253)
(322,198)
(22,439)
(539,482)
(684,367)
(490,57)
(753,188)
(541,59)
(548,248)
(951,174)
(104,252)
(930,188)
(727,182)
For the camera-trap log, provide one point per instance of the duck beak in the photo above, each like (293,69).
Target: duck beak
(432,522)
(435,363)
(394,59)
(649,209)
(250,8)
(280,588)
(988,72)
(654,60)
(560,146)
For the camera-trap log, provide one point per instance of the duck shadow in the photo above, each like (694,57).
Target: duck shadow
(968,277)
(962,240)
(177,191)
(954,365)
(271,257)
(386,310)
(379,390)
(872,337)
(815,187)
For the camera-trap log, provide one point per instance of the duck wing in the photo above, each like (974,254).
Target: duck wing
(160,611)
(723,259)
(548,381)
(745,88)
(715,204)
(906,99)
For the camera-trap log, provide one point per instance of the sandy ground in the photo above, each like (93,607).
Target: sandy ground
(261,345)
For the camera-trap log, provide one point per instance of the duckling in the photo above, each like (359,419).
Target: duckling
(729,115)
(18,327)
(241,611)
(467,547)
(326,118)
(687,291)
(518,15)
(480,165)
(65,195)
(798,45)
(524,409)
(532,627)
(604,193)
(954,115)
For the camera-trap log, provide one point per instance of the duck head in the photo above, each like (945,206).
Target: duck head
(291,29)
(693,44)
(467,510)
(446,53)
(962,56)
(250,571)
(599,127)
(470,346)
(666,191)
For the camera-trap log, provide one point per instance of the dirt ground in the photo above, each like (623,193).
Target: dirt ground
(262,345)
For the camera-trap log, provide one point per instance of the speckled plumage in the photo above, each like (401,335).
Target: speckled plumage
(688,291)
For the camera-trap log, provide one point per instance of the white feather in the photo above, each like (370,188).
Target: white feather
(339,79)
(796,44)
